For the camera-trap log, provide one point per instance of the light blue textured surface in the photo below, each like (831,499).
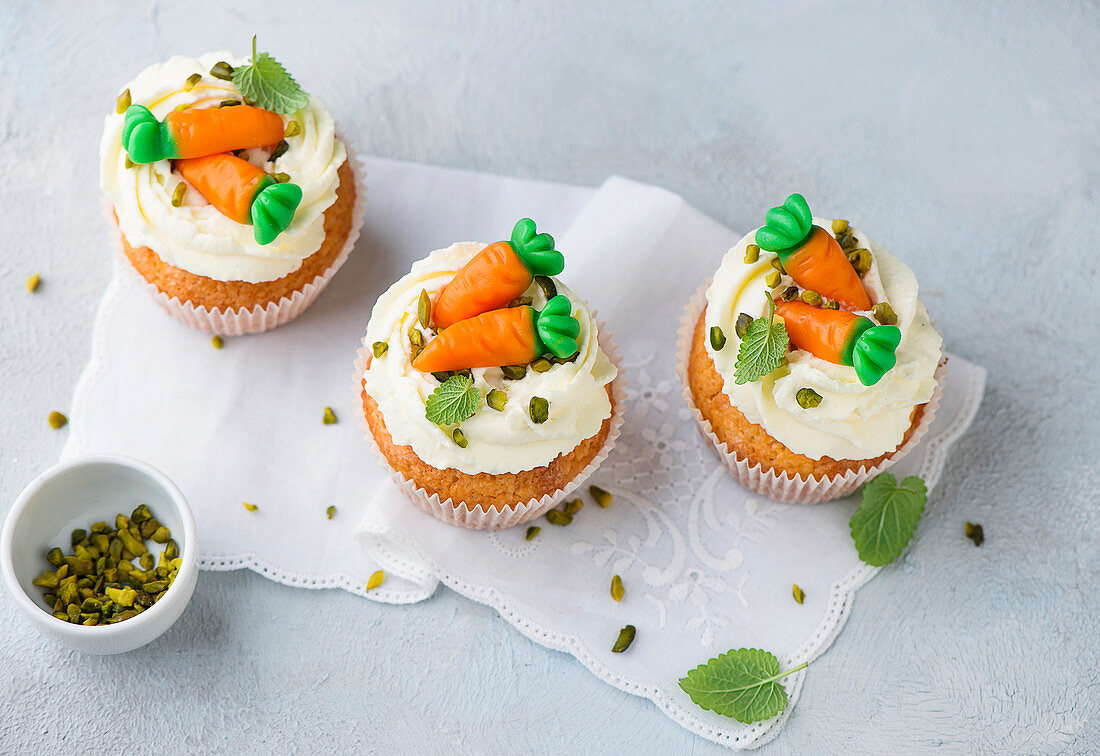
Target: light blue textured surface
(964,136)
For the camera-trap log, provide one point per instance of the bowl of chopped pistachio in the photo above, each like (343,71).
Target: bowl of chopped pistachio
(99,553)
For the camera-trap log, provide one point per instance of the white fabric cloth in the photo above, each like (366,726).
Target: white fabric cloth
(706,565)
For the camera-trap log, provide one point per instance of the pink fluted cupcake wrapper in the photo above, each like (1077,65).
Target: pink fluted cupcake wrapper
(477,518)
(260,318)
(783,486)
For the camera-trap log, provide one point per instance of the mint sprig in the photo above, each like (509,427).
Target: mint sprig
(763,348)
(887,517)
(455,400)
(743,684)
(266,83)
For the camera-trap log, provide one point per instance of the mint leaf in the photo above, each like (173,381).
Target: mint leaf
(455,400)
(743,684)
(763,348)
(887,517)
(266,83)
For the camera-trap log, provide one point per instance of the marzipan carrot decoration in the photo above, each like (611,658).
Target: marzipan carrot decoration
(810,255)
(843,338)
(509,336)
(197,132)
(243,192)
(498,274)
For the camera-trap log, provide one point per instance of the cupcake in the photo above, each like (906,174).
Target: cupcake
(486,384)
(234,199)
(809,362)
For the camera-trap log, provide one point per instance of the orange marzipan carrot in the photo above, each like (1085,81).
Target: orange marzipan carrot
(492,278)
(491,339)
(822,333)
(819,264)
(227,182)
(208,131)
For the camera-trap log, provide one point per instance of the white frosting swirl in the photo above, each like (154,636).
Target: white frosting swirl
(195,236)
(499,442)
(853,421)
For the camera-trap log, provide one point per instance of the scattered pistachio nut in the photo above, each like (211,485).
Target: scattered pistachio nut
(279,151)
(416,338)
(424,308)
(572,507)
(217,342)
(777,264)
(744,320)
(32,283)
(549,290)
(831,304)
(376,580)
(541,365)
(250,507)
(128,163)
(846,240)
(330,510)
(752,254)
(177,194)
(459,438)
(617,590)
(884,313)
(379,348)
(798,594)
(293,129)
(514,372)
(496,399)
(807,398)
(281,177)
(540,410)
(229,103)
(717,338)
(840,226)
(790,293)
(123,102)
(191,81)
(601,497)
(222,70)
(328,417)
(558,517)
(975,533)
(810,297)
(57,420)
(773,279)
(626,637)
(861,260)
(532,531)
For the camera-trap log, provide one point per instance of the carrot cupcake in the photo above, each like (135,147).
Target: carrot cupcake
(485,385)
(235,200)
(810,362)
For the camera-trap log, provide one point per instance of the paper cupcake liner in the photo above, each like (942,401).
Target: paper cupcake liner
(260,318)
(782,486)
(477,518)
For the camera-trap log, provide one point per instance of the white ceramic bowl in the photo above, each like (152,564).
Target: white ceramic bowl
(74,494)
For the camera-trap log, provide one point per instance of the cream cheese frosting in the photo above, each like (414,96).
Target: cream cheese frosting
(853,421)
(195,236)
(498,442)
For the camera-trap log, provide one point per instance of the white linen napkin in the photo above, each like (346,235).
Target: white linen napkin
(707,566)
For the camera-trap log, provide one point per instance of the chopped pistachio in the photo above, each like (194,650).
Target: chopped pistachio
(541,365)
(790,293)
(459,438)
(32,283)
(514,372)
(222,70)
(831,304)
(717,338)
(532,532)
(330,511)
(840,226)
(281,177)
(744,320)
(810,297)
(279,151)
(229,103)
(123,102)
(375,580)
(328,417)
(798,594)
(549,290)
(884,313)
(379,348)
(539,409)
(558,517)
(192,80)
(975,533)
(752,254)
(601,497)
(861,260)
(293,129)
(807,398)
(777,263)
(626,637)
(617,590)
(57,420)
(572,507)
(773,279)
(250,507)
(496,399)
(217,342)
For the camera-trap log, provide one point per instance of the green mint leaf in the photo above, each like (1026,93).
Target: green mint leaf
(266,83)
(763,348)
(887,517)
(455,400)
(743,684)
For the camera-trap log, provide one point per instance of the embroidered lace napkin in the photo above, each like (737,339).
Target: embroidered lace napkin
(707,566)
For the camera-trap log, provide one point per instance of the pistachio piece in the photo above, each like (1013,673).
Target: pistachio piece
(379,348)
(541,365)
(161,535)
(717,338)
(807,398)
(57,420)
(798,594)
(626,637)
(744,320)
(279,151)
(293,129)
(831,304)
(459,438)
(532,531)
(281,177)
(141,514)
(617,591)
(752,254)
(424,308)
(416,338)
(810,297)
(777,264)
(53,556)
(773,279)
(32,283)
(123,102)
(839,226)
(250,507)
(192,80)
(601,497)
(496,399)
(229,103)
(521,301)
(861,260)
(558,517)
(222,70)
(328,417)
(884,313)
(128,163)
(330,511)
(549,290)
(572,507)
(539,409)
(376,579)
(217,342)
(178,193)
(790,293)
(846,240)
(78,535)
(514,372)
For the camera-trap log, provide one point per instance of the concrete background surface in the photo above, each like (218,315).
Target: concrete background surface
(964,136)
